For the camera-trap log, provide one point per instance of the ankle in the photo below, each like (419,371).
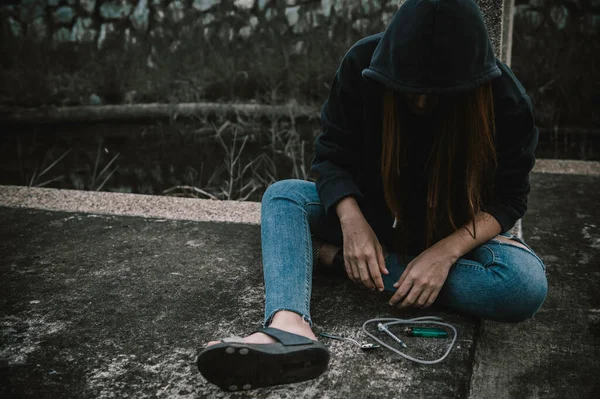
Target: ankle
(294,327)
(285,317)
(292,322)
(327,254)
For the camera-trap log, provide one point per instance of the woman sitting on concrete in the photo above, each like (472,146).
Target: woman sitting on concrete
(422,169)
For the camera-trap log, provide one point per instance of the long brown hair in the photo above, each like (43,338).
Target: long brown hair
(460,166)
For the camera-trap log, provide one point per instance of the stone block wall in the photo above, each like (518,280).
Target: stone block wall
(584,13)
(93,21)
(75,52)
(69,52)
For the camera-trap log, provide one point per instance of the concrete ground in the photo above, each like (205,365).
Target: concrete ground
(97,303)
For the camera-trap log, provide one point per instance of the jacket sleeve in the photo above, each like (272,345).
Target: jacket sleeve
(517,139)
(338,155)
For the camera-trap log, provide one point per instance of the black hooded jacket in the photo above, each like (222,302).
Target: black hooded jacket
(429,47)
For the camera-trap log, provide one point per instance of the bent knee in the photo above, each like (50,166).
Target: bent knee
(293,189)
(522,299)
(280,188)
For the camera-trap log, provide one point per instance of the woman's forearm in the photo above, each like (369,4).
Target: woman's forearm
(457,244)
(347,209)
(461,241)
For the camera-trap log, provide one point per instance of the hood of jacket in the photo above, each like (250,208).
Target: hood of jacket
(434,47)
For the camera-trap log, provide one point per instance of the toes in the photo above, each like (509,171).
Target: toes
(257,338)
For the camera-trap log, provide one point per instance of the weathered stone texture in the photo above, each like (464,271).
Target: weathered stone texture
(115,9)
(292,18)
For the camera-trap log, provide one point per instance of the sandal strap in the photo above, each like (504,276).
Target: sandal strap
(286,338)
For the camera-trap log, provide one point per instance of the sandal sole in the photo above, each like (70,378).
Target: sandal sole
(238,366)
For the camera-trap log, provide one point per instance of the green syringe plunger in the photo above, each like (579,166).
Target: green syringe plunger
(425,332)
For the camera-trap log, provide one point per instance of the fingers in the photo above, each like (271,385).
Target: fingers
(359,272)
(403,276)
(421,301)
(401,292)
(374,268)
(354,271)
(419,296)
(412,296)
(381,261)
(371,270)
(432,298)
(367,270)
(420,283)
(365,276)
(348,268)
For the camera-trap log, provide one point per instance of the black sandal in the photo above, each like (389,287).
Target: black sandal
(235,365)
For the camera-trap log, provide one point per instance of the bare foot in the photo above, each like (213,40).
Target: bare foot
(327,253)
(283,320)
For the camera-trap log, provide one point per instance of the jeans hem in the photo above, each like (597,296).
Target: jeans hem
(305,317)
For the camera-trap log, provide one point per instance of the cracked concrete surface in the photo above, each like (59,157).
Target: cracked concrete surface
(105,306)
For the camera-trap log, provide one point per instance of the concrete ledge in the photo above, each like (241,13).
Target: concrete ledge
(149,206)
(202,210)
(567,166)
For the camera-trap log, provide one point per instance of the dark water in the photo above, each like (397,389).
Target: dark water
(149,159)
(152,158)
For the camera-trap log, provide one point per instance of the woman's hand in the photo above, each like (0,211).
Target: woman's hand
(363,254)
(423,278)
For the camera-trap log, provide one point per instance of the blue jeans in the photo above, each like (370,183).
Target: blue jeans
(496,281)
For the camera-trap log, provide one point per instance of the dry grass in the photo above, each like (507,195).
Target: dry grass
(219,157)
(245,174)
